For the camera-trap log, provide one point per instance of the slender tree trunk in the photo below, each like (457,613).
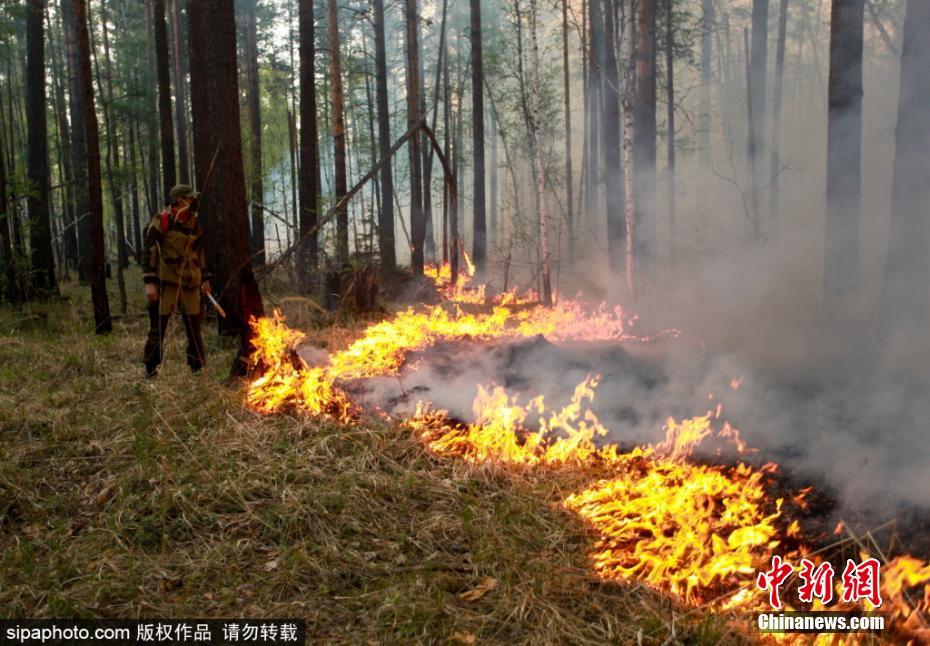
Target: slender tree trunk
(386,215)
(905,297)
(13,292)
(707,28)
(447,125)
(538,160)
(77,110)
(758,69)
(112,157)
(98,286)
(775,174)
(135,214)
(844,152)
(218,151)
(644,142)
(597,63)
(670,124)
(40,231)
(417,220)
(339,135)
(309,184)
(429,238)
(493,219)
(479,242)
(169,175)
(754,224)
(610,141)
(569,180)
(180,89)
(256,188)
(65,156)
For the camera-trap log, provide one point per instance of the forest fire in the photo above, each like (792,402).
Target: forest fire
(698,531)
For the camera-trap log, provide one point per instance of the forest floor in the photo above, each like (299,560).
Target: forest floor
(126,497)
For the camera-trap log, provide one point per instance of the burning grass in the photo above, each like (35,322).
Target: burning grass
(700,532)
(124,497)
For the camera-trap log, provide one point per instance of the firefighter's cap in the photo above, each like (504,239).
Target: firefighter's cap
(181,190)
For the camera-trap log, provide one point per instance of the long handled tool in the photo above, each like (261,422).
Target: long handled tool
(219,309)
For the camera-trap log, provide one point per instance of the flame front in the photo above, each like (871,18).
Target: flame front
(698,531)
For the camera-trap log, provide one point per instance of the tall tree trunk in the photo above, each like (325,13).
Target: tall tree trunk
(844,167)
(644,142)
(135,214)
(180,89)
(610,140)
(707,27)
(670,124)
(775,174)
(479,242)
(309,184)
(339,136)
(758,69)
(538,160)
(492,220)
(13,292)
(569,180)
(596,63)
(65,158)
(78,112)
(98,285)
(112,157)
(417,220)
(905,297)
(754,224)
(218,151)
(256,188)
(386,215)
(169,175)
(40,231)
(446,139)
(429,238)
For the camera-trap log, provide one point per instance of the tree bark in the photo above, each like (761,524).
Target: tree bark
(596,63)
(644,142)
(218,155)
(339,135)
(479,242)
(386,215)
(905,297)
(40,231)
(114,176)
(758,70)
(13,292)
(256,188)
(69,258)
(417,220)
(844,166)
(309,184)
(169,174)
(707,27)
(78,112)
(610,140)
(670,124)
(537,156)
(775,174)
(569,180)
(98,286)
(180,89)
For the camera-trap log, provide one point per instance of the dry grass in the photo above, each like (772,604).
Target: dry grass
(123,497)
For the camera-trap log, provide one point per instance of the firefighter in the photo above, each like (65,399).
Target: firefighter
(174,271)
